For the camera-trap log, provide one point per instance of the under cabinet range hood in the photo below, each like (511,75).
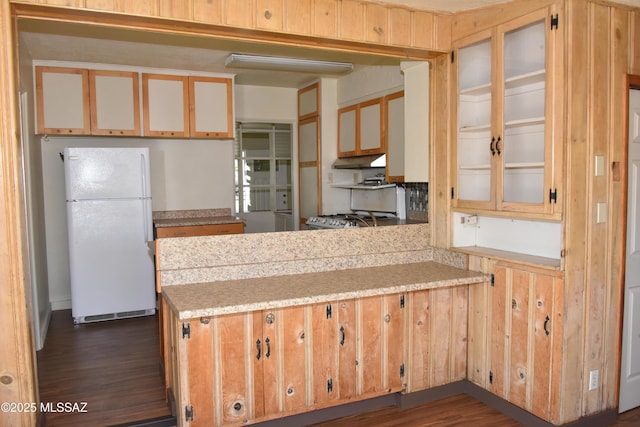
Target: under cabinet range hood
(361,162)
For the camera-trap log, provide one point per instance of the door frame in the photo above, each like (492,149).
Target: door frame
(631,82)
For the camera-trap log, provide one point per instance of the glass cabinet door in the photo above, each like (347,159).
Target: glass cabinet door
(522,141)
(474,123)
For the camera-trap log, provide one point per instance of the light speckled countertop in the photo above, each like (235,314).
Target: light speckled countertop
(237,296)
(181,218)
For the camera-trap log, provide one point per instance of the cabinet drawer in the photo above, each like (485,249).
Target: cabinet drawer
(200,230)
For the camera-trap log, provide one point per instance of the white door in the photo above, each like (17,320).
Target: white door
(630,363)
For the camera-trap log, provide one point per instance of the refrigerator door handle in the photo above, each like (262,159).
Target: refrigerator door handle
(145,222)
(143,175)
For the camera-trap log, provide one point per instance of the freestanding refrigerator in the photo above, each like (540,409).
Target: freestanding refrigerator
(110,226)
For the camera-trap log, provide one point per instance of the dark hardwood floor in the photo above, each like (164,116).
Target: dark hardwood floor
(115,368)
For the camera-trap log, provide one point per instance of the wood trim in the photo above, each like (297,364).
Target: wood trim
(94,108)
(160,25)
(200,230)
(18,379)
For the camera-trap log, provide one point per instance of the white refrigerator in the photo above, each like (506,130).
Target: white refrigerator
(110,227)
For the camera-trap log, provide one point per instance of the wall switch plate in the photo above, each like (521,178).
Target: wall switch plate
(601,212)
(593,379)
(599,166)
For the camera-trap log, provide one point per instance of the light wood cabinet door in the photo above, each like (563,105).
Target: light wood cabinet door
(115,103)
(514,336)
(353,20)
(309,101)
(210,107)
(371,127)
(165,105)
(62,101)
(505,155)
(347,131)
(394,136)
(381,353)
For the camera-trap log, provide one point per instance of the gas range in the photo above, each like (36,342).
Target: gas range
(351,220)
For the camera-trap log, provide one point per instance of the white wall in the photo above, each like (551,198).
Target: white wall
(269,105)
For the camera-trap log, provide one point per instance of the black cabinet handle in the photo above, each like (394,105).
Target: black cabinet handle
(258,349)
(268,343)
(498,145)
(546,325)
(343,335)
(493,151)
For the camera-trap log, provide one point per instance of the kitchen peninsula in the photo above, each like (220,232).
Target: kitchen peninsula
(266,325)
(196,222)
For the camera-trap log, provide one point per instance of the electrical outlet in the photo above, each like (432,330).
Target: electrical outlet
(593,379)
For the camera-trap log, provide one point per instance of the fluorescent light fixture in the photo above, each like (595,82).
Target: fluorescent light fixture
(240,60)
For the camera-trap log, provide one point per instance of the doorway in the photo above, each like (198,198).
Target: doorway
(630,359)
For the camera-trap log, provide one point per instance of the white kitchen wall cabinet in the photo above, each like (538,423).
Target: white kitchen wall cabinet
(309,101)
(165,105)
(62,101)
(115,103)
(505,123)
(360,129)
(211,107)
(183,106)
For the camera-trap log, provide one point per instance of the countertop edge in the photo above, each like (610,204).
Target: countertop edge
(184,314)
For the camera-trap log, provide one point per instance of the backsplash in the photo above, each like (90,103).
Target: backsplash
(417,196)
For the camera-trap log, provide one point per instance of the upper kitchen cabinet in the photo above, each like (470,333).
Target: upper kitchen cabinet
(309,101)
(165,105)
(72,101)
(211,107)
(62,101)
(360,129)
(181,106)
(115,103)
(506,155)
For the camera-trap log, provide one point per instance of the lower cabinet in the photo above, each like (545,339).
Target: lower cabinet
(514,336)
(248,367)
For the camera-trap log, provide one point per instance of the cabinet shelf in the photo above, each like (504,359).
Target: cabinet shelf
(532,121)
(476,128)
(525,165)
(525,79)
(484,89)
(486,167)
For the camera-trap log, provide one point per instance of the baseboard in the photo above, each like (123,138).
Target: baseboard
(44,327)
(64,304)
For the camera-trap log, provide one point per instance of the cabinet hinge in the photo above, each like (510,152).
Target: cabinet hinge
(188,413)
(553,195)
(493,279)
(401,301)
(453,56)
(452,193)
(402,371)
(329,386)
(554,22)
(328,311)
(186,330)
(490,377)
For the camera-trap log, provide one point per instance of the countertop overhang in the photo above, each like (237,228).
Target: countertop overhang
(237,296)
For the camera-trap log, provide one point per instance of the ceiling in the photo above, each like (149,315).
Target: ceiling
(58,41)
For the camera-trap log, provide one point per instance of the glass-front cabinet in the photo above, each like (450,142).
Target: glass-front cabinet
(505,155)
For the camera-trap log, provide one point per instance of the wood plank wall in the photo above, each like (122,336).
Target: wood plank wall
(17,355)
(598,36)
